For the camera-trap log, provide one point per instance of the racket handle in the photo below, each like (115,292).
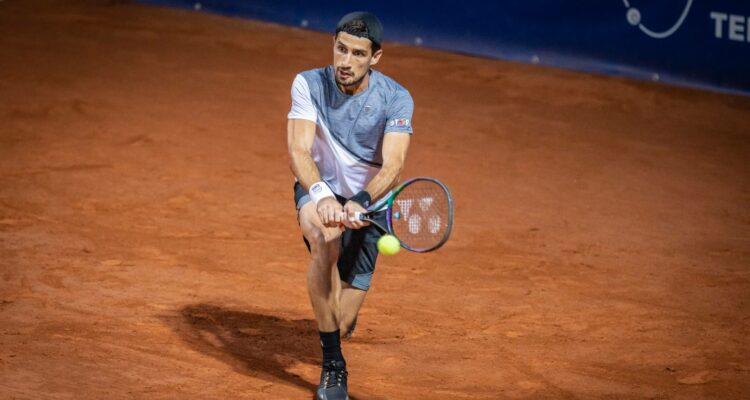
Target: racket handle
(357,215)
(363,217)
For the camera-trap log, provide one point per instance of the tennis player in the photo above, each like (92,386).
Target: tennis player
(348,134)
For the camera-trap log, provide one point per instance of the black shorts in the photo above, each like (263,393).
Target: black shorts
(359,247)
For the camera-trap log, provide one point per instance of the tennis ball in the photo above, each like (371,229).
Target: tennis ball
(388,245)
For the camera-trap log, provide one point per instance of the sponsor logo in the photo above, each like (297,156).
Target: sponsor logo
(737,27)
(400,122)
(634,17)
(726,25)
(316,189)
(415,220)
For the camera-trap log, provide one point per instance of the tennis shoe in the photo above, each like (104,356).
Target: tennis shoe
(333,382)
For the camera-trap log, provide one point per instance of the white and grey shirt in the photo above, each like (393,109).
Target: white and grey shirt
(349,135)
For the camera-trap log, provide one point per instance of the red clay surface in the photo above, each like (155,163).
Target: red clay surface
(149,248)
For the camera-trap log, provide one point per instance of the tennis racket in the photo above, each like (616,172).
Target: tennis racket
(419,213)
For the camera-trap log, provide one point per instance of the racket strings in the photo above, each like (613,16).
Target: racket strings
(421,215)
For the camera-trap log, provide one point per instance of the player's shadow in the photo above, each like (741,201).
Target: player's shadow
(253,343)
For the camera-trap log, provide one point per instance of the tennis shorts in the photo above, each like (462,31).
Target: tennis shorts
(359,247)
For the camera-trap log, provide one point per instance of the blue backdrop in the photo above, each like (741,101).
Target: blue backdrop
(699,43)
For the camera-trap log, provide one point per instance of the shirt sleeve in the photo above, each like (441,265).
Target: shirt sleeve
(302,104)
(399,113)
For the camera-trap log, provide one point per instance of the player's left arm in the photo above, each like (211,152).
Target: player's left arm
(396,140)
(395,147)
(398,133)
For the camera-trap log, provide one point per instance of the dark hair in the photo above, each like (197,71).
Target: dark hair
(359,28)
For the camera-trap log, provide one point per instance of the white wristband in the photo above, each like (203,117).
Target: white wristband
(319,191)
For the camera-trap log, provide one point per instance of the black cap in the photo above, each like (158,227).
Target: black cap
(374,27)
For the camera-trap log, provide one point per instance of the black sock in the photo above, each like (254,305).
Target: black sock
(331,344)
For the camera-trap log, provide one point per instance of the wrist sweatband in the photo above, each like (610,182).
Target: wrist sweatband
(319,191)
(363,198)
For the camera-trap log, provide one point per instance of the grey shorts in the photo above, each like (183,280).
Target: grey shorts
(359,247)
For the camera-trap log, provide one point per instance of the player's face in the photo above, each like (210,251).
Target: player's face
(352,58)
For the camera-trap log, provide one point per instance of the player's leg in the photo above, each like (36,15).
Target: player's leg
(324,288)
(324,251)
(356,265)
(350,301)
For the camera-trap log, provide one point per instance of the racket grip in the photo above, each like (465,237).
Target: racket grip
(357,215)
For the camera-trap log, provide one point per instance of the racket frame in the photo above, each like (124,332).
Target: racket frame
(389,214)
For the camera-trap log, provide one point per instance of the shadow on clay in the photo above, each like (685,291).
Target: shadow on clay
(254,344)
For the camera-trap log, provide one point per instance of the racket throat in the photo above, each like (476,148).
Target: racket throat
(376,224)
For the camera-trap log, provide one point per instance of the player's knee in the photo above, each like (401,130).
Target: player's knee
(324,252)
(317,238)
(321,236)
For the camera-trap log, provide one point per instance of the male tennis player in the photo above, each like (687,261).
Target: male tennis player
(348,133)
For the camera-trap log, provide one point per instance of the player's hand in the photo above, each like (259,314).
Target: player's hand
(351,221)
(330,212)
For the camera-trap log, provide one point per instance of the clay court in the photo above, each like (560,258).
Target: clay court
(149,247)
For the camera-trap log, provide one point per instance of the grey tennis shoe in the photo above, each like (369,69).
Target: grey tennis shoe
(333,382)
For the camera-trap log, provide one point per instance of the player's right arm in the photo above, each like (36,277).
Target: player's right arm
(300,136)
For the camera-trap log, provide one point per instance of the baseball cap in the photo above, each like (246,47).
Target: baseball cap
(374,30)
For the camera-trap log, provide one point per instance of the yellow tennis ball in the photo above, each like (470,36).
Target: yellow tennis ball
(388,245)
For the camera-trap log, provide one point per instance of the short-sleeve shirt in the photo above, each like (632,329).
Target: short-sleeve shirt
(347,148)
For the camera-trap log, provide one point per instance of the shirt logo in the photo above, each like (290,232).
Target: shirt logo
(400,122)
